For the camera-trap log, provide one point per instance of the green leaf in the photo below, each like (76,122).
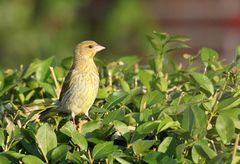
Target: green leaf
(225,128)
(1,80)
(187,120)
(121,161)
(2,137)
(163,84)
(155,97)
(48,88)
(102,93)
(148,127)
(200,121)
(7,88)
(238,50)
(162,36)
(32,68)
(168,145)
(129,61)
(146,77)
(233,114)
(102,150)
(67,62)
(43,71)
(228,103)
(204,151)
(208,55)
(115,98)
(158,158)
(122,129)
(79,140)
(90,126)
(12,155)
(124,85)
(113,115)
(59,153)
(154,42)
(29,159)
(75,157)
(179,38)
(203,81)
(237,55)
(4,160)
(195,155)
(167,123)
(59,72)
(142,146)
(175,109)
(236,159)
(217,159)
(155,157)
(68,128)
(179,46)
(46,139)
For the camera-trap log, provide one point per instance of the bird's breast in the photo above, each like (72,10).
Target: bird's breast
(84,90)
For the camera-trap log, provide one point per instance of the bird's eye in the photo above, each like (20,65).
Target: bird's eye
(90,46)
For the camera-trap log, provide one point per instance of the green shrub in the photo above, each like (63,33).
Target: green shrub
(157,113)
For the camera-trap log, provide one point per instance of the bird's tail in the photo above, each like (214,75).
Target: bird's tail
(49,113)
(46,108)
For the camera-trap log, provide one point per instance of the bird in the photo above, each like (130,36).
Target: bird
(80,87)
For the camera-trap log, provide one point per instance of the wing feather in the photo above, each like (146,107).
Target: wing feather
(66,85)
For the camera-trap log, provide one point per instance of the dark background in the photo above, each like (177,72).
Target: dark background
(41,28)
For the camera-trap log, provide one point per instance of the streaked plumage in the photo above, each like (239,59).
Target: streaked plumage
(81,84)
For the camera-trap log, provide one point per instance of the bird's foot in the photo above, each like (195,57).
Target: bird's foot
(86,117)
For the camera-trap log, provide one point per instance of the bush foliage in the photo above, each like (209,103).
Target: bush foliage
(157,113)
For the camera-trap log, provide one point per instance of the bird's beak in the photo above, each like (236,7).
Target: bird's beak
(98,48)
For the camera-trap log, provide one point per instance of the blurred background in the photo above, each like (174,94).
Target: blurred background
(38,29)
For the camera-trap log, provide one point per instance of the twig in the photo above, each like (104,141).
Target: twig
(136,70)
(218,96)
(89,157)
(110,78)
(58,88)
(209,125)
(205,69)
(213,145)
(235,146)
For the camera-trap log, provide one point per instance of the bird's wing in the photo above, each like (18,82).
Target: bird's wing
(66,84)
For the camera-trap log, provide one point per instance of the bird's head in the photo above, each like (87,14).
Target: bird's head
(87,49)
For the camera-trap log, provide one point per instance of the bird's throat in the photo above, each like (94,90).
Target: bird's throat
(84,64)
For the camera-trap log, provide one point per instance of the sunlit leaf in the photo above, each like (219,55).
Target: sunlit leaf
(68,128)
(146,78)
(113,115)
(43,70)
(225,128)
(208,55)
(46,139)
(203,81)
(79,140)
(141,146)
(28,159)
(102,150)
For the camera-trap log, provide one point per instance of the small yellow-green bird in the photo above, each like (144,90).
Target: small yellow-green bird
(81,84)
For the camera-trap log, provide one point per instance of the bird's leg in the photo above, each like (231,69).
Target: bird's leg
(86,115)
(73,117)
